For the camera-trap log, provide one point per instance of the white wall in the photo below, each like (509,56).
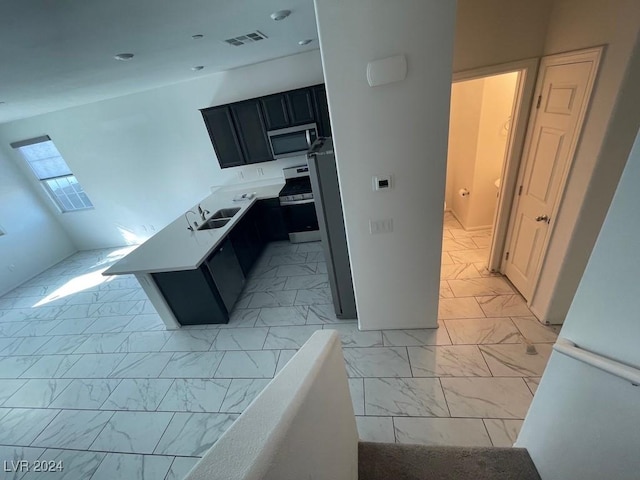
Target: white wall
(145,158)
(398,129)
(607,136)
(480,110)
(33,239)
(583,422)
(490,32)
(464,125)
(604,314)
(497,105)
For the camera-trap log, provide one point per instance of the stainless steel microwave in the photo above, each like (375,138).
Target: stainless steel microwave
(292,141)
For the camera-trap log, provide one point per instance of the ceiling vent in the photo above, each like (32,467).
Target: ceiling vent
(247,38)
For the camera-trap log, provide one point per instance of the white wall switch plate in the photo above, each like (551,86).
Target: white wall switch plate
(381,226)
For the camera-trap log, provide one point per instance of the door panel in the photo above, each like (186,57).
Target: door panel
(527,239)
(564,88)
(548,148)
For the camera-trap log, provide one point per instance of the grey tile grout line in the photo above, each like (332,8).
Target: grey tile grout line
(395,433)
(99,463)
(527,385)
(225,395)
(113,412)
(444,395)
(487,430)
(484,358)
(364,398)
(266,336)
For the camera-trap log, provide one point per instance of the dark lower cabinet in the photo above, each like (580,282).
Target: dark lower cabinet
(247,240)
(272,224)
(227,274)
(206,294)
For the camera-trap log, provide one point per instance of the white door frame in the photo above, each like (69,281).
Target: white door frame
(591,54)
(525,87)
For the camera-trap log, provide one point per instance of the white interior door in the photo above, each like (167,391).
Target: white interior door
(563,91)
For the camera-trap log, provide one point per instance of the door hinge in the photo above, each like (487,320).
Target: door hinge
(539,101)
(506,256)
(520,190)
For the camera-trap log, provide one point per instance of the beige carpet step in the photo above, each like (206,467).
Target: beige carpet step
(390,461)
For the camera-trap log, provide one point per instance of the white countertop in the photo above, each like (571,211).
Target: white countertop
(175,248)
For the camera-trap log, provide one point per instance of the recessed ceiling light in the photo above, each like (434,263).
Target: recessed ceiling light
(197,68)
(123,56)
(305,42)
(280,15)
(197,36)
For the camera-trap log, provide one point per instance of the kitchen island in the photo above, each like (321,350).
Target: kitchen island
(195,276)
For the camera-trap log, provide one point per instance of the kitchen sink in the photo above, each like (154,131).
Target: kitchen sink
(225,213)
(214,223)
(219,219)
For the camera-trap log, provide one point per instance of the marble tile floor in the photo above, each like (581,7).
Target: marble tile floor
(89,376)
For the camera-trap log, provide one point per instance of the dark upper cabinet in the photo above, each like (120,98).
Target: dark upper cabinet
(251,131)
(276,113)
(238,131)
(288,109)
(300,103)
(223,135)
(322,110)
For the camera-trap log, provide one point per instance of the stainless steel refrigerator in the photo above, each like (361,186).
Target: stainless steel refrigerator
(328,203)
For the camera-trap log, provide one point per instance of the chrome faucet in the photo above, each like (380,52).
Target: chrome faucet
(203,213)
(190,227)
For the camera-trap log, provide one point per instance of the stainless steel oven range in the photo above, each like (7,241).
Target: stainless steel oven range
(296,201)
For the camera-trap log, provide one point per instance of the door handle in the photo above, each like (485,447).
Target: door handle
(543,218)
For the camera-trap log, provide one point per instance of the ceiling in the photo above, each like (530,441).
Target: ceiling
(56,54)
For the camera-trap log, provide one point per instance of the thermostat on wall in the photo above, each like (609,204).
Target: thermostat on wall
(382,182)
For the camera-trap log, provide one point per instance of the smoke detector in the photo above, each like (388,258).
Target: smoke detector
(280,15)
(123,57)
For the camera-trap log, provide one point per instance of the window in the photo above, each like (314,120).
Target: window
(53,172)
